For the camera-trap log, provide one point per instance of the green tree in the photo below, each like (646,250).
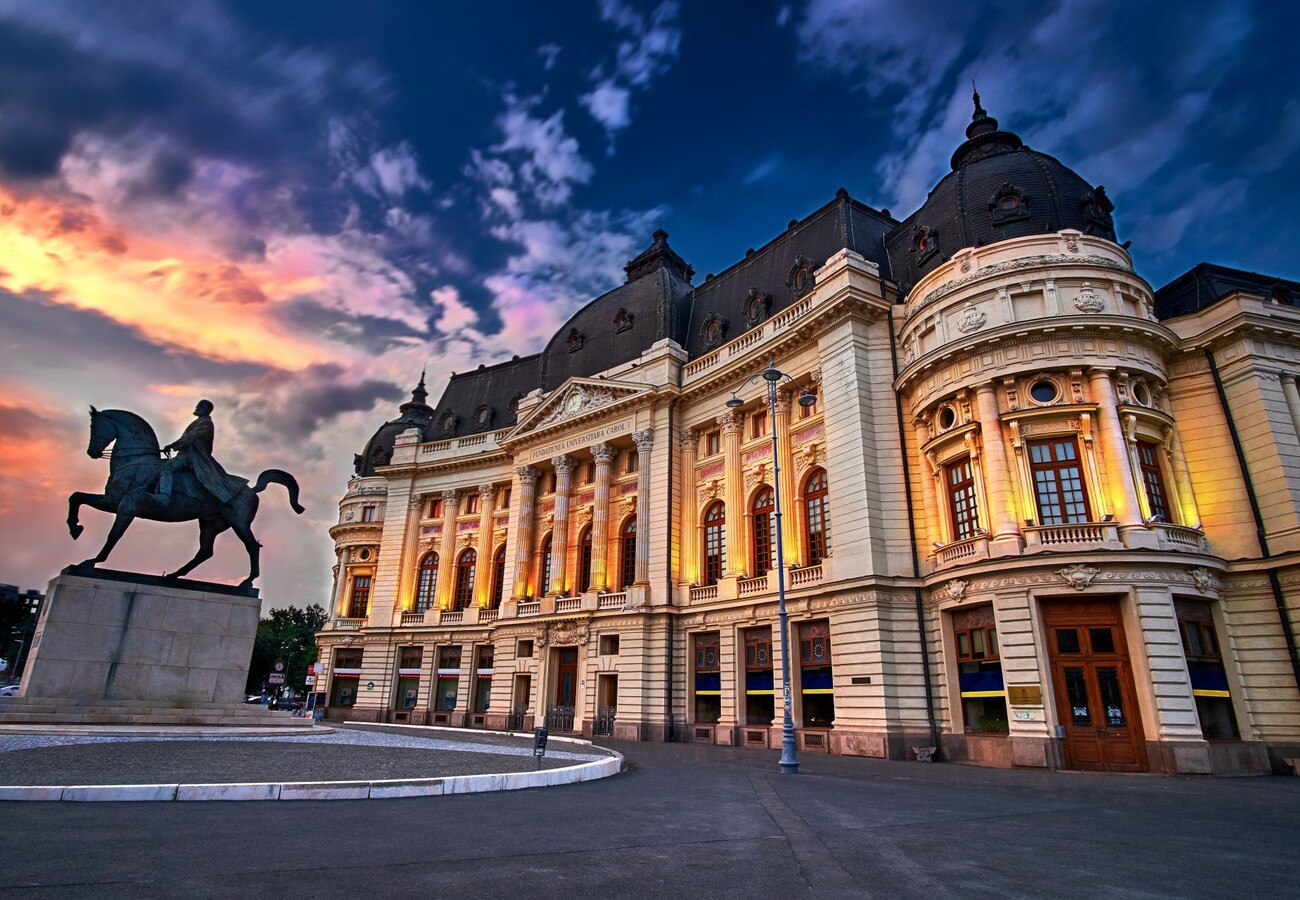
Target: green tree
(288,634)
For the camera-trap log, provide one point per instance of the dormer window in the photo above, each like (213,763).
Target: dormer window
(574,340)
(925,243)
(622,320)
(756,306)
(1009,204)
(1096,208)
(448,423)
(714,330)
(801,279)
(483,417)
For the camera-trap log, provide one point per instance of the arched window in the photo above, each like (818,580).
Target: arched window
(715,542)
(428,579)
(584,561)
(465,578)
(627,552)
(498,575)
(764,511)
(544,582)
(817,526)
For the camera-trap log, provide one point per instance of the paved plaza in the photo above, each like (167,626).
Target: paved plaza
(690,820)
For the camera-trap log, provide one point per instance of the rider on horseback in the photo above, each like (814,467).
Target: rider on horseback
(194,448)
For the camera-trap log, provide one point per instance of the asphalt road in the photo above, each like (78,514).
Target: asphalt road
(690,821)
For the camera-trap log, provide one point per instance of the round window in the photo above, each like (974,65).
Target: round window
(947,418)
(1141,394)
(712,333)
(1008,203)
(1043,391)
(365,554)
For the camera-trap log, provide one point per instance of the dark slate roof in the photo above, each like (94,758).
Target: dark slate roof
(842,223)
(484,399)
(619,326)
(998,189)
(1205,285)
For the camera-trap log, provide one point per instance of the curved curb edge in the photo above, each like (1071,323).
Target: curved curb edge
(321,790)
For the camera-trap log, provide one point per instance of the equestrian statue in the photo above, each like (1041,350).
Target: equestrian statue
(190,485)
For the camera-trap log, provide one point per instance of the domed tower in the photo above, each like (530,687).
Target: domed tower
(1035,377)
(415,413)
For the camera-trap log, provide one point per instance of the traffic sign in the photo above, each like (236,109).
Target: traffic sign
(311,679)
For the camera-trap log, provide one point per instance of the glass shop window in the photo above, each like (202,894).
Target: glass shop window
(816,686)
(444,696)
(979,671)
(760,706)
(1205,667)
(708,679)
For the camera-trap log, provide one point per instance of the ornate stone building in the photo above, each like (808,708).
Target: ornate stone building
(1038,514)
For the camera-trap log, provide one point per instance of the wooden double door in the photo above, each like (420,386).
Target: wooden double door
(1093,682)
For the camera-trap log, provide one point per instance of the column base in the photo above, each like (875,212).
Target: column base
(1010,544)
(1139,537)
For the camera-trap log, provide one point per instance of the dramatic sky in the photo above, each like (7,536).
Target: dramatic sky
(293,207)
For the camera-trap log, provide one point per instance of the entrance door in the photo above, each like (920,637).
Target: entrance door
(1095,698)
(560,715)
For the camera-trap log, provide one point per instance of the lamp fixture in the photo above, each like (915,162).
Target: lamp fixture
(1109,517)
(735,402)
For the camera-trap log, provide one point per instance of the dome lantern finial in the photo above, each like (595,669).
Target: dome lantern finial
(420,395)
(980,121)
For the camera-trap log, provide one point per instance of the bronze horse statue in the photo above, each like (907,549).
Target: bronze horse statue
(132,475)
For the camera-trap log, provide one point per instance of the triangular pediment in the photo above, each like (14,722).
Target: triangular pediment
(574,400)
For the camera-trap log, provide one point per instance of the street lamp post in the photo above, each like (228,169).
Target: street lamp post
(789,761)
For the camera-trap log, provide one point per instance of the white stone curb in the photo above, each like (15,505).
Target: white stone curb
(328,790)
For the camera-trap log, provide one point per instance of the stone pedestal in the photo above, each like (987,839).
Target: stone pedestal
(136,649)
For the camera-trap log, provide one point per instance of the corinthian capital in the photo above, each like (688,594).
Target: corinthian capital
(602,453)
(563,465)
(527,474)
(731,421)
(644,439)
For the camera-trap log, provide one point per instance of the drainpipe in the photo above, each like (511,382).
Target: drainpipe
(911,534)
(1260,532)
(669,654)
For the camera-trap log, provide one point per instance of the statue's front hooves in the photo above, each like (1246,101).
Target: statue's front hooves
(299,509)
(76,530)
(246,583)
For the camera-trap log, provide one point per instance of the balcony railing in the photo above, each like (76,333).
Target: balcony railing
(568,604)
(412,618)
(755,585)
(1180,537)
(1079,533)
(612,601)
(451,617)
(966,550)
(488,615)
(349,624)
(533,608)
(701,594)
(805,576)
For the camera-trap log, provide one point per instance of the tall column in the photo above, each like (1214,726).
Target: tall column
(1292,393)
(603,454)
(410,546)
(560,530)
(926,469)
(1188,513)
(484,572)
(524,529)
(1120,487)
(997,474)
(446,555)
(732,423)
(785,460)
(689,550)
(336,593)
(644,441)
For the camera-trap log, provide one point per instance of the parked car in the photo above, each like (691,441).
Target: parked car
(9,690)
(257,698)
(286,703)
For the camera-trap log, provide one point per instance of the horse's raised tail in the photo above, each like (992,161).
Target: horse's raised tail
(280,477)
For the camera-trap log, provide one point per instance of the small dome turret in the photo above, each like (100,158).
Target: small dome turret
(414,413)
